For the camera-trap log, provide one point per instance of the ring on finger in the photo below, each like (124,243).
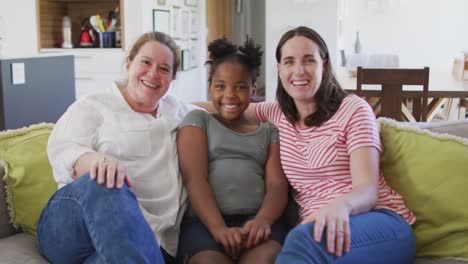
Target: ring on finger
(104,160)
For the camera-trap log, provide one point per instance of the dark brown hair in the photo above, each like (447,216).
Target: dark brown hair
(329,95)
(161,38)
(222,50)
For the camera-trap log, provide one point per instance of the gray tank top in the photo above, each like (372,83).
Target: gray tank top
(236,166)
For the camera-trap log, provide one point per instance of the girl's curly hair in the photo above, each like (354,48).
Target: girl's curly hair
(222,50)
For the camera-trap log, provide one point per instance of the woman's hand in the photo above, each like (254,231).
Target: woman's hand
(230,238)
(335,217)
(109,171)
(256,230)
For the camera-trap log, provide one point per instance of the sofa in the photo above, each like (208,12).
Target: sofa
(20,247)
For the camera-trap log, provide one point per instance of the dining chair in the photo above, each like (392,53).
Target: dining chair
(391,101)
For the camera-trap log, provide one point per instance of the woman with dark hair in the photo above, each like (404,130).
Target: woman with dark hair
(329,95)
(330,149)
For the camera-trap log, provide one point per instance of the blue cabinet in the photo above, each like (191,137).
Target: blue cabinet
(47,92)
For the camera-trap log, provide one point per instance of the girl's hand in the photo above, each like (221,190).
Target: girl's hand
(110,171)
(257,230)
(335,217)
(230,238)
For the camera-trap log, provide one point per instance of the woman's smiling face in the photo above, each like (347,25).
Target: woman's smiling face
(150,74)
(301,68)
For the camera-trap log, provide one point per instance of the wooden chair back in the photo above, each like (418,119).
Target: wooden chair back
(392,81)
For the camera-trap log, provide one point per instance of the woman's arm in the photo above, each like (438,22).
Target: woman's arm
(73,136)
(364,166)
(249,112)
(192,147)
(274,202)
(207,105)
(71,148)
(102,167)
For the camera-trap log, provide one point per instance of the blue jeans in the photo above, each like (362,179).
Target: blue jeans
(85,222)
(380,236)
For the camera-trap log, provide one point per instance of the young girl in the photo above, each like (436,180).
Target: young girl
(231,168)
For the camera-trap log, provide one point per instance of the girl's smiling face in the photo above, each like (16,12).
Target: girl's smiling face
(230,90)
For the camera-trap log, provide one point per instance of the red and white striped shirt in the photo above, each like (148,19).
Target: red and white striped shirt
(316,160)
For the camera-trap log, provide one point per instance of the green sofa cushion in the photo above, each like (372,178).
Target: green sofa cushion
(27,173)
(430,171)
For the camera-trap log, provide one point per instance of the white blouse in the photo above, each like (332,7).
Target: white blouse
(146,145)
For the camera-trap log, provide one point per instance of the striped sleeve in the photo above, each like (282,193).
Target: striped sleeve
(361,130)
(268,112)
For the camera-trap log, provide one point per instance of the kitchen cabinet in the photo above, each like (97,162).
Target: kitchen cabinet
(95,69)
(51,12)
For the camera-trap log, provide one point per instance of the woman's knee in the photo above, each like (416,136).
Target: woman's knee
(301,232)
(300,247)
(89,189)
(86,180)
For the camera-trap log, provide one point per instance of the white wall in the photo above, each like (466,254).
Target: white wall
(18,28)
(321,15)
(421,32)
(190,85)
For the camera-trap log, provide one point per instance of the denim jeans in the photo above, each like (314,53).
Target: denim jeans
(85,222)
(380,236)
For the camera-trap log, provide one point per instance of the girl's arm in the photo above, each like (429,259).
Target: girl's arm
(275,201)
(192,147)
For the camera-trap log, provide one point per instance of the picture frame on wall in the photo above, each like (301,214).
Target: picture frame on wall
(177,2)
(162,21)
(176,27)
(191,2)
(183,44)
(194,53)
(185,23)
(194,23)
(185,59)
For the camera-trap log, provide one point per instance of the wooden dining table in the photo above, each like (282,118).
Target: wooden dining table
(444,89)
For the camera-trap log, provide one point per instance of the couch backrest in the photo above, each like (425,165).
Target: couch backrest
(457,128)
(6,229)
